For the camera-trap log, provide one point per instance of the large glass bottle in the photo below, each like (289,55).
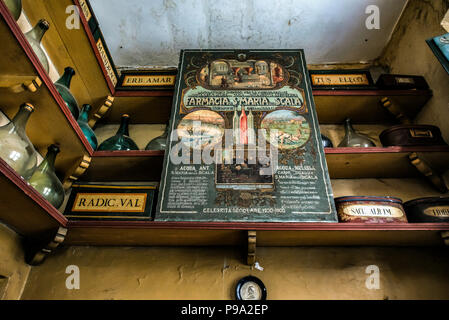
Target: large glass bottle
(84,125)
(158,143)
(354,139)
(34,37)
(15,6)
(327,143)
(121,140)
(45,180)
(63,87)
(15,147)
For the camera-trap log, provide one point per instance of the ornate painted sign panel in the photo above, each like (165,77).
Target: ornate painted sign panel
(244,141)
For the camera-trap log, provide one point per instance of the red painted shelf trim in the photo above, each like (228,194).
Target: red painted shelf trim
(20,37)
(155,93)
(150,153)
(266,226)
(388,93)
(94,47)
(316,93)
(131,153)
(12,175)
(386,150)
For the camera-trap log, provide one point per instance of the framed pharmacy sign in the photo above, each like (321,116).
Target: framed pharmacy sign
(244,141)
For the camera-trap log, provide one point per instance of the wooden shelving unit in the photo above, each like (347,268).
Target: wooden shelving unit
(363,106)
(20,60)
(378,162)
(333,106)
(125,166)
(74,47)
(343,163)
(268,234)
(26,211)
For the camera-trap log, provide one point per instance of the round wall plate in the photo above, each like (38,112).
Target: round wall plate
(250,288)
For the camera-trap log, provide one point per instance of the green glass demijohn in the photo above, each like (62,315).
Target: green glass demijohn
(15,7)
(45,180)
(121,140)
(15,147)
(158,143)
(84,125)
(34,37)
(354,139)
(63,87)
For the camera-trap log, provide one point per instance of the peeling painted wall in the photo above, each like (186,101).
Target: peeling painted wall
(151,33)
(212,273)
(408,53)
(13,269)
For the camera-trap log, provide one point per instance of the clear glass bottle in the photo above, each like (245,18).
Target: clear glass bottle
(15,147)
(15,7)
(34,37)
(84,125)
(354,139)
(158,143)
(45,181)
(121,140)
(63,87)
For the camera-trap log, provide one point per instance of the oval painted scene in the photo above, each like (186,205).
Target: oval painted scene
(292,129)
(201,129)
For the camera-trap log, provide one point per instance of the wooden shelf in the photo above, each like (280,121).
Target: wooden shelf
(343,163)
(142,109)
(74,47)
(363,106)
(20,60)
(268,234)
(333,106)
(139,165)
(24,209)
(390,162)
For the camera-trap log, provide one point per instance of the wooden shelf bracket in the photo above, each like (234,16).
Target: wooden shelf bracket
(101,111)
(395,110)
(445,236)
(252,240)
(36,254)
(77,171)
(428,172)
(17,84)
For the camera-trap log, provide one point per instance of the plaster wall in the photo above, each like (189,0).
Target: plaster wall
(13,270)
(408,53)
(212,273)
(151,33)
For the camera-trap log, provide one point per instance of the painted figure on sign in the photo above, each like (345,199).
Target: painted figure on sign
(243,127)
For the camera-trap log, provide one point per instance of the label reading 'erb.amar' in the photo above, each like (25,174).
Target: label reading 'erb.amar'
(373,211)
(149,80)
(439,212)
(109,202)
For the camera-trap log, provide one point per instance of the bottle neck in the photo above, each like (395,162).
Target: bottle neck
(49,162)
(37,32)
(165,131)
(66,78)
(84,115)
(21,118)
(348,127)
(123,130)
